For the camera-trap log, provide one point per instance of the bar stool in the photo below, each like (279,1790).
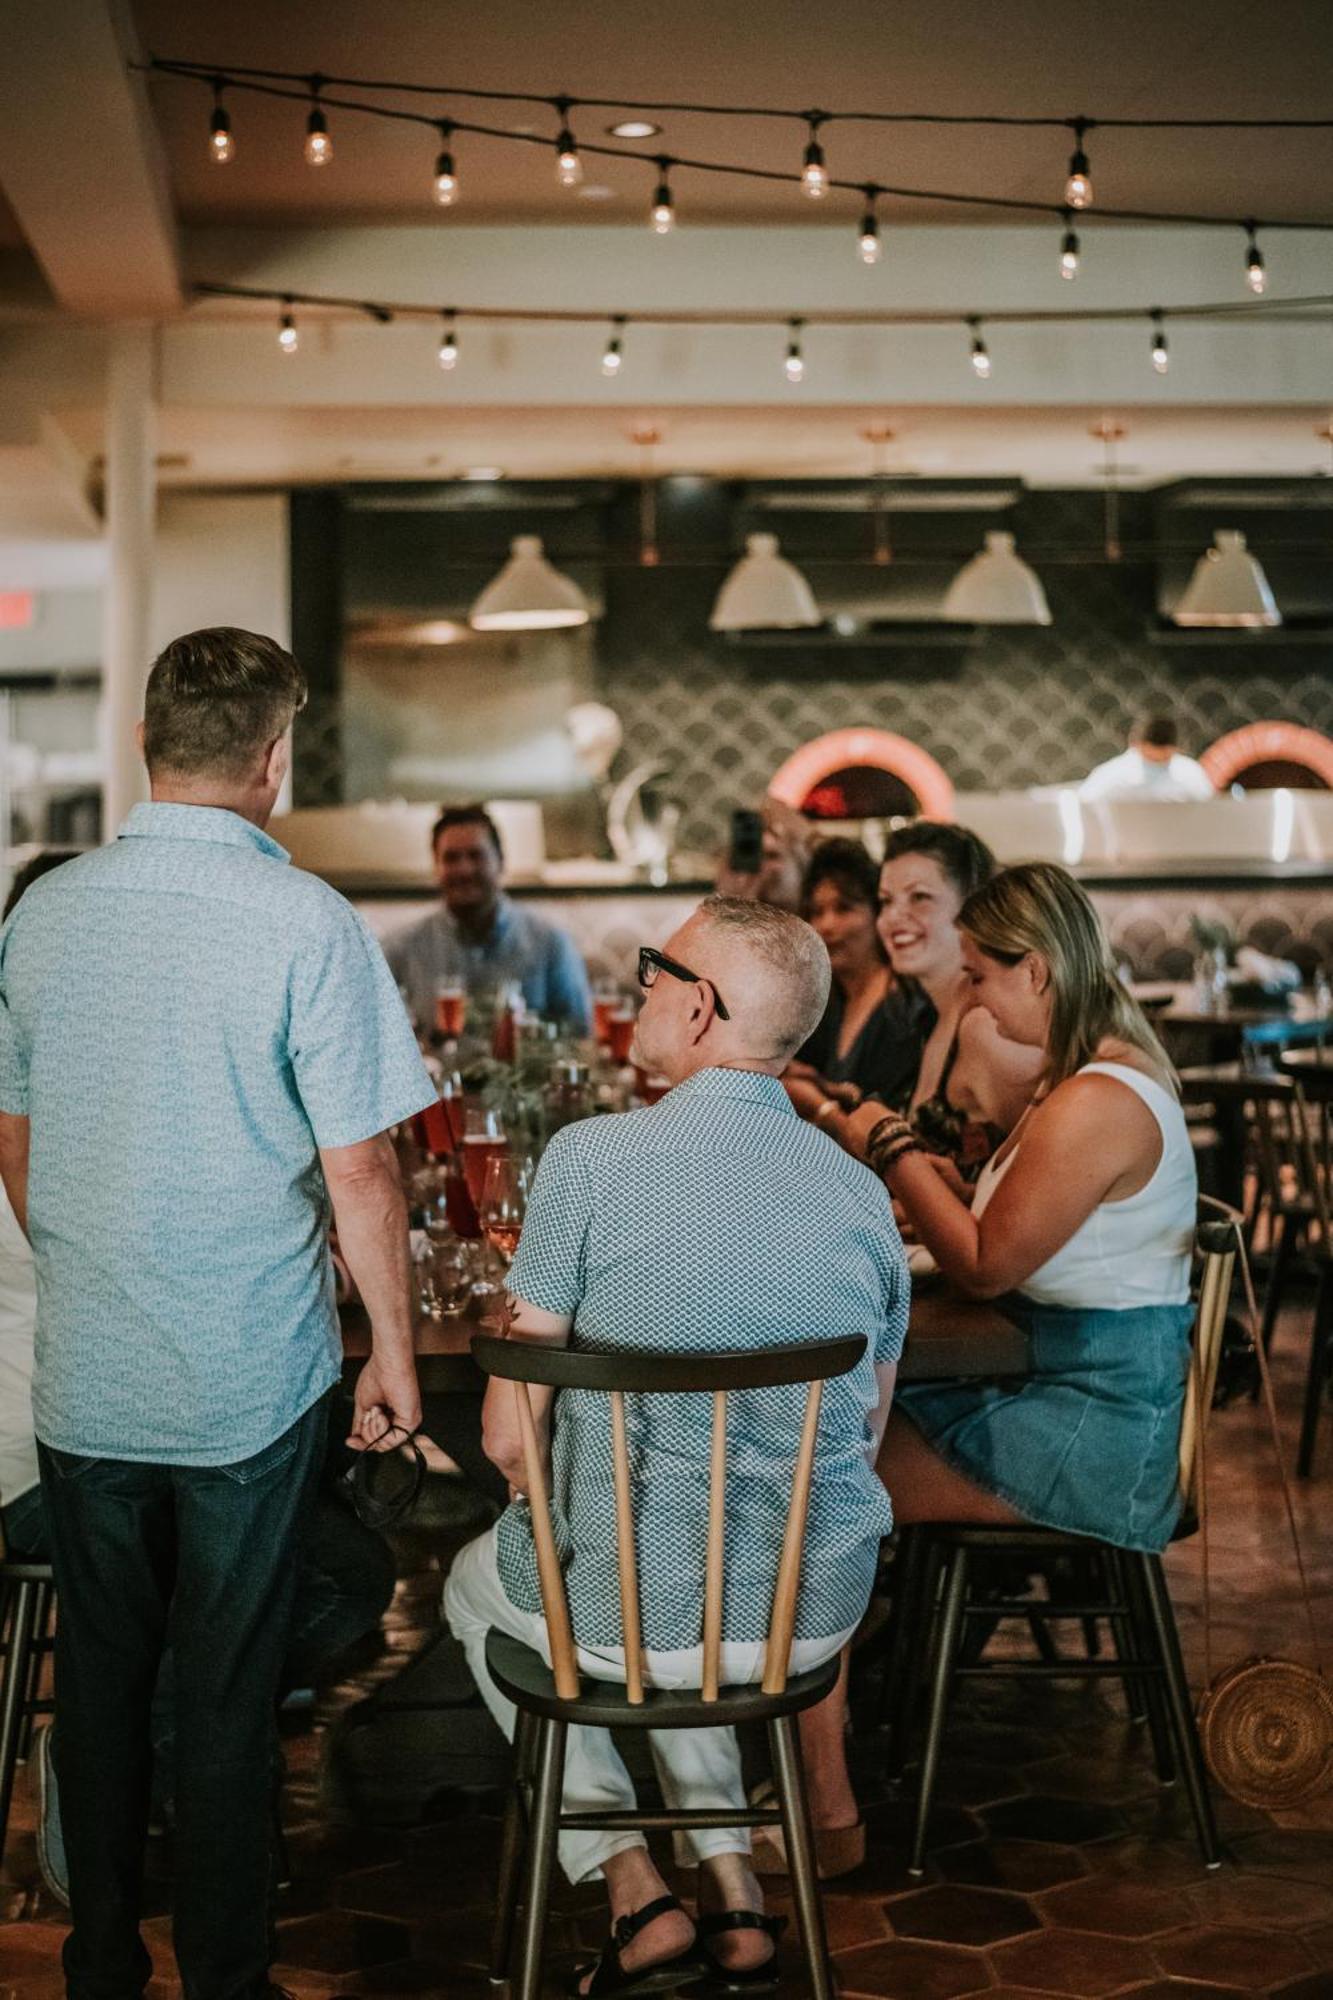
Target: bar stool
(550,1699)
(27,1603)
(938,1563)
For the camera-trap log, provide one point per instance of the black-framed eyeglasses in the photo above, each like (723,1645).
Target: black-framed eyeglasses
(652,961)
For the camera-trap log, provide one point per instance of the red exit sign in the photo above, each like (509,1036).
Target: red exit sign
(18,608)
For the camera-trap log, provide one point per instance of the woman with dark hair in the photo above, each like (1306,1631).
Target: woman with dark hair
(870,1039)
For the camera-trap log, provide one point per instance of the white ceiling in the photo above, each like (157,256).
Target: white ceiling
(361,403)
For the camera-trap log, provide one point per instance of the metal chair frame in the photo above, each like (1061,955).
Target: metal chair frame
(27,1603)
(932,1597)
(549,1700)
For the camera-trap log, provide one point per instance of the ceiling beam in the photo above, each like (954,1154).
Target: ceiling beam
(81,164)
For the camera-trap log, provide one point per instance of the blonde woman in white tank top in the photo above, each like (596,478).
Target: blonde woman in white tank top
(1082,1223)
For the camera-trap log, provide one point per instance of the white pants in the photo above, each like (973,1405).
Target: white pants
(698,1769)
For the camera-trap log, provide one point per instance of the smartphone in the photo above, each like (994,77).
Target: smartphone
(746,853)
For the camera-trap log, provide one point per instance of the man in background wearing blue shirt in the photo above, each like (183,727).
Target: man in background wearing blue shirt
(479,940)
(201,1050)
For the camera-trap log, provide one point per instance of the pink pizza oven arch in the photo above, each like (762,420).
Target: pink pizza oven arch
(1268,743)
(879,749)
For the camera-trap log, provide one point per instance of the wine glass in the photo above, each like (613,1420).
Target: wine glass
(483,1140)
(452,1275)
(504,1203)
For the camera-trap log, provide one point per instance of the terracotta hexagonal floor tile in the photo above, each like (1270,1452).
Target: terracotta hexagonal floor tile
(1263,1900)
(1121,1909)
(1139,1858)
(1305,1856)
(1315,1986)
(979,1783)
(1255,1960)
(894,1820)
(1102,1780)
(954,1914)
(1042,1817)
(1073,1962)
(926,1971)
(1023,1865)
(1182,1989)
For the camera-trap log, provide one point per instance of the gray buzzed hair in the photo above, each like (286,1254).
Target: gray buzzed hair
(787,946)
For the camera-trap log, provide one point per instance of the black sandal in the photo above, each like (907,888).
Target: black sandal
(725,1979)
(608,1974)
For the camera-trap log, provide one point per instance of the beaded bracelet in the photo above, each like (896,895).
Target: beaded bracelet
(889,1141)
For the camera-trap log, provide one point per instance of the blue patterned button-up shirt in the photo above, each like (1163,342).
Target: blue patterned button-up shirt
(522,948)
(185,1019)
(716,1219)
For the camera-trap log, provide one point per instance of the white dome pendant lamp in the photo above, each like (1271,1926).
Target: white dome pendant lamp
(1228,587)
(764,593)
(997,588)
(528,595)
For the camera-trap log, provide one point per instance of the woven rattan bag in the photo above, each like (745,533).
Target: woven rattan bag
(1266,1724)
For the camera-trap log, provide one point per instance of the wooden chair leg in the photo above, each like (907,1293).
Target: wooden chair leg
(543,1828)
(1321,1341)
(1122,1632)
(511,1852)
(945,1651)
(1188,1752)
(13,1692)
(1141,1639)
(784,1748)
(1278,1272)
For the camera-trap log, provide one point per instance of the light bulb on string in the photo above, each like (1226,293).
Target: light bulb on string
(1078,186)
(1256,277)
(221,145)
(318,144)
(814,172)
(663,212)
(612,357)
(568,165)
(980,352)
(1069,250)
(794,365)
(288,337)
(867,243)
(447,352)
(446,173)
(1161,360)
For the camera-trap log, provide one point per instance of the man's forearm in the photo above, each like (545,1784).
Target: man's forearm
(371,1215)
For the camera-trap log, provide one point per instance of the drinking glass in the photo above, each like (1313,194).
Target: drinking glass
(483,1140)
(620,1027)
(452,1274)
(450,1009)
(605,1000)
(503,1205)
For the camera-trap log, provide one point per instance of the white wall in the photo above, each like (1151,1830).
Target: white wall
(221,560)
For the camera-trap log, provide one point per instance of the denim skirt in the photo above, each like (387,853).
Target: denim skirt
(1089,1442)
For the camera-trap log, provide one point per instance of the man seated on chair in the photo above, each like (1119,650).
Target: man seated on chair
(717,1220)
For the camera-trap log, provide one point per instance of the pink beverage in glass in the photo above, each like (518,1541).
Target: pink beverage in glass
(454,1109)
(620,1033)
(603,1007)
(504,1041)
(503,1238)
(435,1125)
(450,1011)
(479,1149)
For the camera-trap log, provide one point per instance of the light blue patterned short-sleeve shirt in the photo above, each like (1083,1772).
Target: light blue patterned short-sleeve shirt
(186,1019)
(717,1219)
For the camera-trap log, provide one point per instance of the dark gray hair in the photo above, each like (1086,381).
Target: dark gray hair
(216,699)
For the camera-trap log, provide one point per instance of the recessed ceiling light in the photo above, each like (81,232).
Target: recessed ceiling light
(633,128)
(483,472)
(594,191)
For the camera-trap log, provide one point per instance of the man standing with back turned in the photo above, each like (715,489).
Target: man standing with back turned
(201,1048)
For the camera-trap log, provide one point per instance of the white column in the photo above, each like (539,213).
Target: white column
(131,479)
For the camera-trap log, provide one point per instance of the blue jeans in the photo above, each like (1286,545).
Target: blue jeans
(205,1557)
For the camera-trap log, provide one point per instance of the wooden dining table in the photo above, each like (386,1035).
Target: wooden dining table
(950,1338)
